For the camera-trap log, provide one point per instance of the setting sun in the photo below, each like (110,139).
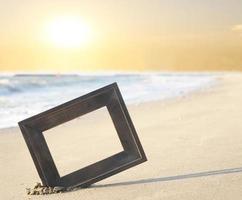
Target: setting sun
(68,32)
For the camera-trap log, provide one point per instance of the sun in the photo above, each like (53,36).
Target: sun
(68,31)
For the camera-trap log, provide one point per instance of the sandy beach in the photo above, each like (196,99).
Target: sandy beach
(193,146)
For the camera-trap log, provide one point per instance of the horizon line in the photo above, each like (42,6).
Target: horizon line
(113,72)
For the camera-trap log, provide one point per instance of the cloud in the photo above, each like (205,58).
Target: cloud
(237,28)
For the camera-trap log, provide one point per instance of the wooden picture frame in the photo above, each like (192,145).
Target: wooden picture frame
(109,96)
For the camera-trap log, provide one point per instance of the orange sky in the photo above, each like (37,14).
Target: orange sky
(125,35)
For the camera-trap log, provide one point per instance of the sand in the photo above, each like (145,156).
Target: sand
(193,145)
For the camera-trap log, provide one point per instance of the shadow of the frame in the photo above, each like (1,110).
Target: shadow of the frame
(163,179)
(172,178)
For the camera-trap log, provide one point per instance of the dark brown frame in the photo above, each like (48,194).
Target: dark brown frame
(109,96)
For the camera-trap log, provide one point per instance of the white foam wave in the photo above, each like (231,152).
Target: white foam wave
(24,95)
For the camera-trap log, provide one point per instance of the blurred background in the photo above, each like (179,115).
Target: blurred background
(53,51)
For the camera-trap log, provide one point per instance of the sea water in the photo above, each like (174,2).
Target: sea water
(24,95)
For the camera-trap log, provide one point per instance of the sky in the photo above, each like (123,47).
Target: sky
(120,35)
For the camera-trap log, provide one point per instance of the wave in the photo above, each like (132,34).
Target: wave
(23,95)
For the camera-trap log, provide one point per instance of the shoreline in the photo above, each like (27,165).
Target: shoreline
(216,82)
(18,93)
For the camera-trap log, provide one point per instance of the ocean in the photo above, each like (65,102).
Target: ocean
(24,95)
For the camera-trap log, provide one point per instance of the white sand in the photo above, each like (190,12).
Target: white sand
(193,145)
